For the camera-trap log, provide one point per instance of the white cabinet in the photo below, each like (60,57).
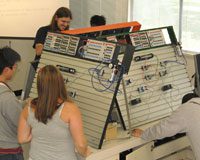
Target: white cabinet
(174,150)
(142,153)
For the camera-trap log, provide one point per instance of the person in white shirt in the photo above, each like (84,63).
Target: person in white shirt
(185,119)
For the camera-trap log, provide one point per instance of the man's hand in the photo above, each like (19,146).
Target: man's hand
(38,49)
(137,132)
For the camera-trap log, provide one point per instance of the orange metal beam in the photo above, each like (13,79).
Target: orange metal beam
(135,27)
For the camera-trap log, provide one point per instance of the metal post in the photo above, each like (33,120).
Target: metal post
(180,20)
(127,109)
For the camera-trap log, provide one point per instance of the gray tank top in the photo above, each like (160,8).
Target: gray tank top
(52,140)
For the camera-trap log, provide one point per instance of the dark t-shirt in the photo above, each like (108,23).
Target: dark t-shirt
(40,38)
(41,35)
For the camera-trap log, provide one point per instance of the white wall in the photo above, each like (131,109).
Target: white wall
(115,11)
(22,18)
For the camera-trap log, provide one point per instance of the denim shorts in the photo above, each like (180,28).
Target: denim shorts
(18,156)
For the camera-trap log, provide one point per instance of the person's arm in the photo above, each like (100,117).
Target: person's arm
(39,40)
(24,130)
(168,127)
(12,110)
(76,129)
(38,49)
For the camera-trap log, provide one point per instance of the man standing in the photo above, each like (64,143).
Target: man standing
(97,20)
(10,107)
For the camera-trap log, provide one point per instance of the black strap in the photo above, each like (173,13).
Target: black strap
(6,85)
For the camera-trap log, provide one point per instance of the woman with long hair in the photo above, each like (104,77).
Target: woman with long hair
(51,122)
(60,22)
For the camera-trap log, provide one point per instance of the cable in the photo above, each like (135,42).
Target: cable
(155,74)
(95,74)
(170,61)
(179,52)
(175,97)
(98,73)
(170,105)
(76,78)
(163,94)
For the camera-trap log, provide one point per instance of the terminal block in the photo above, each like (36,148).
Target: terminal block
(146,67)
(149,77)
(163,64)
(142,89)
(166,87)
(129,81)
(144,57)
(135,101)
(162,73)
(66,80)
(72,94)
(66,69)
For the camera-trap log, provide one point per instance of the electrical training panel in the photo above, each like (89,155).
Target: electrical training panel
(157,79)
(92,74)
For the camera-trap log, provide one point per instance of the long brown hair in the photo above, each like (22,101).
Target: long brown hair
(60,13)
(51,88)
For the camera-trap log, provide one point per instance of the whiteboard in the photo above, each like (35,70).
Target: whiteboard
(22,18)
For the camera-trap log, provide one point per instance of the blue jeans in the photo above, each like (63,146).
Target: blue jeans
(11,156)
